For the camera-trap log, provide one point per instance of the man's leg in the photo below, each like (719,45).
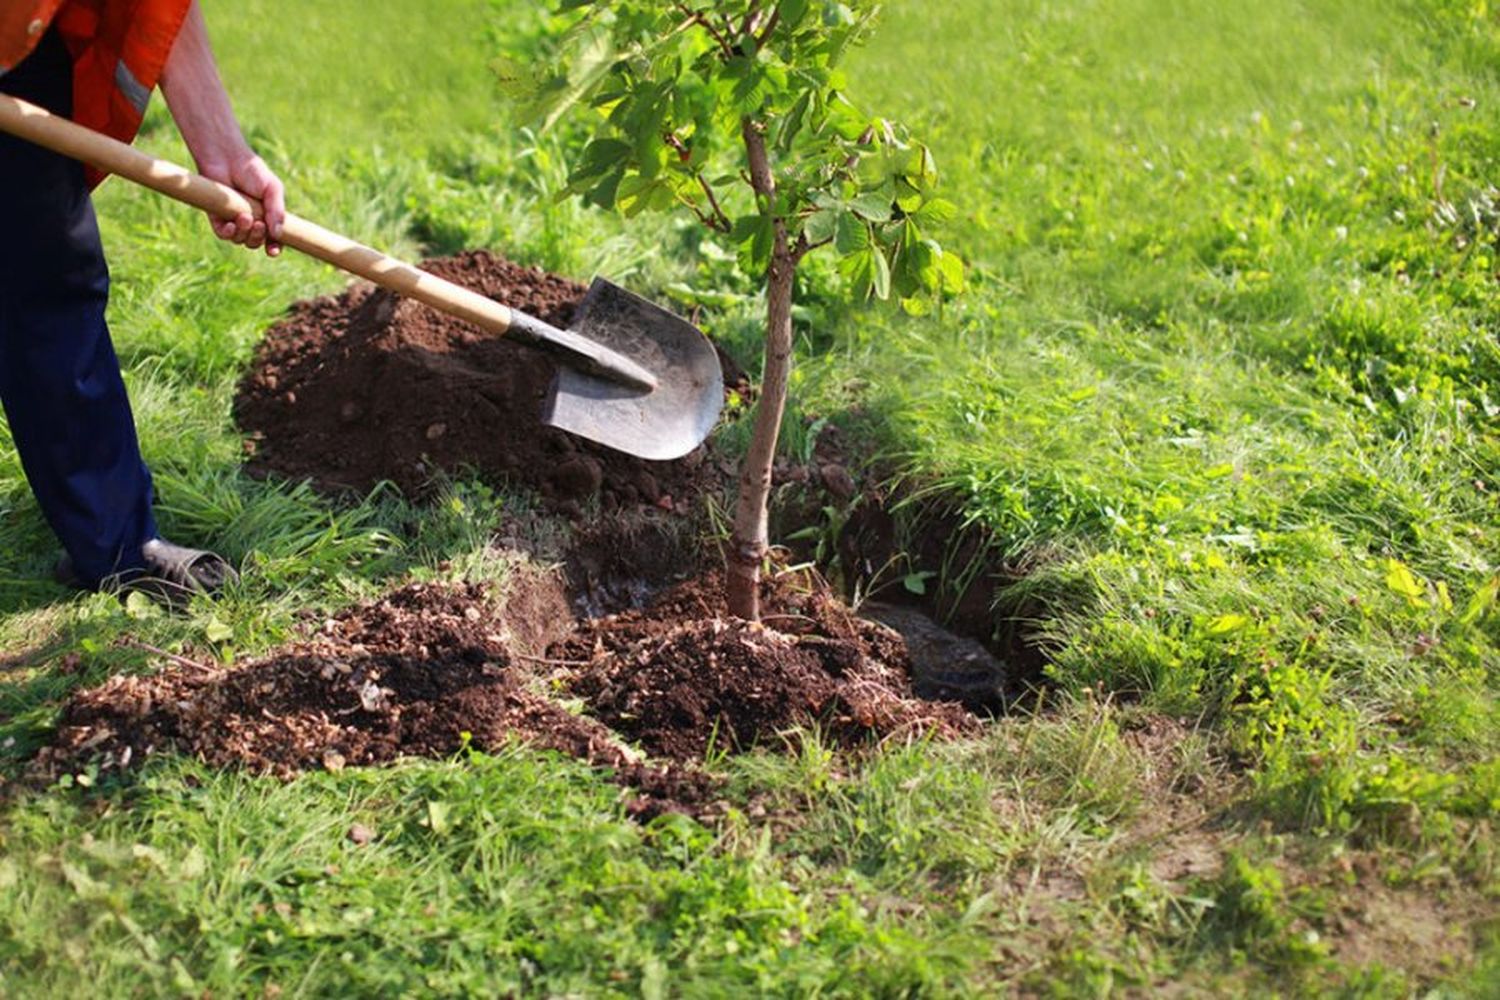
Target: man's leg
(59,378)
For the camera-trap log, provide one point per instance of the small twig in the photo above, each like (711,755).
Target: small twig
(724,225)
(181,661)
(708,221)
(695,17)
(551,663)
(747,26)
(765,33)
(803,247)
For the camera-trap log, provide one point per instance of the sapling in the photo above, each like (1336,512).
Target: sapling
(737,113)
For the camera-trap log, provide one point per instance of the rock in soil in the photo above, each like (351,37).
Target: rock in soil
(354,389)
(944,666)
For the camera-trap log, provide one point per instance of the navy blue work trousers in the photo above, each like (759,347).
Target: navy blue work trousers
(59,378)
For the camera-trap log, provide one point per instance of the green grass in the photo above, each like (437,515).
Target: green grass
(1233,363)
(1225,388)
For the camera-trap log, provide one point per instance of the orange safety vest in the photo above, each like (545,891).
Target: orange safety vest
(118,46)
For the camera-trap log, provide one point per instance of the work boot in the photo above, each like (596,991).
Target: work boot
(173,574)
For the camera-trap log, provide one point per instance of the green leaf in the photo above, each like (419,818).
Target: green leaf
(438,817)
(140,607)
(792,12)
(605,193)
(922,168)
(638,193)
(921,260)
(591,57)
(908,198)
(216,631)
(936,211)
(882,285)
(756,235)
(859,269)
(791,123)
(821,225)
(952,268)
(1481,601)
(744,228)
(853,234)
(874,206)
(599,157)
(916,583)
(1227,624)
(1400,579)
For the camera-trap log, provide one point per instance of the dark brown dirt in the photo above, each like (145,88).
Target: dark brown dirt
(365,386)
(431,668)
(888,532)
(680,678)
(407,675)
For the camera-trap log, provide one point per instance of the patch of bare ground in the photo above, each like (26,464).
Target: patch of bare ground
(1375,917)
(1191,820)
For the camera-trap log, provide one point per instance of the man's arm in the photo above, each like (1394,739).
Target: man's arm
(195,95)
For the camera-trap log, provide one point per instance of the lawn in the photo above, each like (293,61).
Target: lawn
(1214,429)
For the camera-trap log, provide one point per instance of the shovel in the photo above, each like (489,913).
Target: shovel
(632,376)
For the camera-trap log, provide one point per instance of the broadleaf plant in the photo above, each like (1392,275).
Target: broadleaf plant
(737,113)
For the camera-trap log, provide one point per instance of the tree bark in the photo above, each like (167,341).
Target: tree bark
(749,542)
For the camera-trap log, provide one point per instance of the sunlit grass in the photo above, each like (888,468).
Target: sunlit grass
(1229,357)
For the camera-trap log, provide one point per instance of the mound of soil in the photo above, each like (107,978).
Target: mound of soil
(423,672)
(366,386)
(431,668)
(680,678)
(408,674)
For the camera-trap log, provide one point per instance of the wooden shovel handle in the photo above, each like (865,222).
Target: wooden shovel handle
(60,135)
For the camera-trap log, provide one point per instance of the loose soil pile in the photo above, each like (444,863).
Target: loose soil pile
(366,386)
(432,668)
(678,677)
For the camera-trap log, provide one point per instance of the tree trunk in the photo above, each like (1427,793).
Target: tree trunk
(748,544)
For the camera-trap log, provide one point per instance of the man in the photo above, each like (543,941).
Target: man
(97,62)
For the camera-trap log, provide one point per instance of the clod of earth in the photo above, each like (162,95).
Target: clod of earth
(431,668)
(354,389)
(680,679)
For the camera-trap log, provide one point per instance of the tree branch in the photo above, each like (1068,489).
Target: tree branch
(803,248)
(724,224)
(747,26)
(717,220)
(765,33)
(181,661)
(709,222)
(696,17)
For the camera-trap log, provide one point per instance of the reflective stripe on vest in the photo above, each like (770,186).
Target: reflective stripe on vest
(137,94)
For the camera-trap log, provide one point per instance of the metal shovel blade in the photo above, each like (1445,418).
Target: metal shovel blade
(663,423)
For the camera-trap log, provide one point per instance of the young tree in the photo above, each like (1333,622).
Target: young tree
(710,106)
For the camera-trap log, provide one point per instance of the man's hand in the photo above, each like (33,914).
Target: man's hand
(248,174)
(195,94)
